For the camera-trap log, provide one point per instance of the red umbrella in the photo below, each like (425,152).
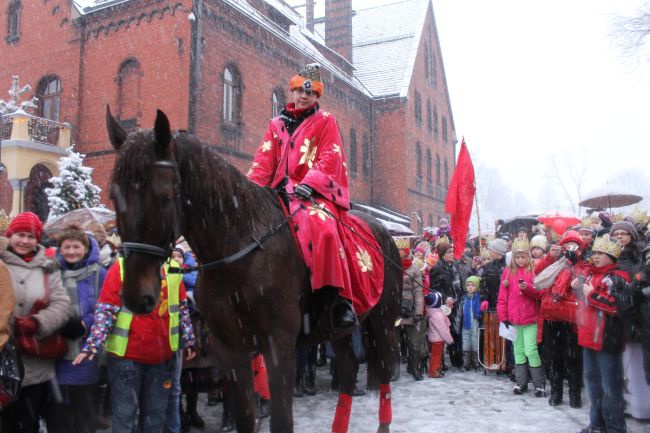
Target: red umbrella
(558,221)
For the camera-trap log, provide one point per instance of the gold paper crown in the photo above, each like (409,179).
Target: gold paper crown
(114,239)
(520,245)
(311,72)
(606,245)
(618,217)
(585,223)
(4,221)
(640,217)
(484,253)
(403,243)
(443,240)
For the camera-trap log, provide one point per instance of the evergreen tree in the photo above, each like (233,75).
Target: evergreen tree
(73,188)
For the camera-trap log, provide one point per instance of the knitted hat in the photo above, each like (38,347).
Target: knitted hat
(25,222)
(572,236)
(539,241)
(474,280)
(420,250)
(499,246)
(308,79)
(433,299)
(625,226)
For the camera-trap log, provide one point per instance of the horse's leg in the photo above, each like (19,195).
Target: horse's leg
(240,376)
(280,359)
(346,368)
(381,338)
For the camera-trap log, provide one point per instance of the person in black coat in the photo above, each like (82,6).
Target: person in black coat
(492,272)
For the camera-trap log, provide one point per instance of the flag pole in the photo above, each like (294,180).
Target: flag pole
(478,217)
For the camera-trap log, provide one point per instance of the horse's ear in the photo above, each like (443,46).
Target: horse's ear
(116,134)
(163,133)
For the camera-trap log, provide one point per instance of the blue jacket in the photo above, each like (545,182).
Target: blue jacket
(88,288)
(189,279)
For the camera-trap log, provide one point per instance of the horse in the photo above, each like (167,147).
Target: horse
(166,184)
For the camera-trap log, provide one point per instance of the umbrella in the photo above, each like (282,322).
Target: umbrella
(514,224)
(396,229)
(92,219)
(610,200)
(558,221)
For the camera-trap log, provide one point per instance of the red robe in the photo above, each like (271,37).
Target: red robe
(313,155)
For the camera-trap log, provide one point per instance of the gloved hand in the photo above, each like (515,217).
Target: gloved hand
(571,256)
(507,323)
(484,305)
(25,326)
(73,329)
(303,191)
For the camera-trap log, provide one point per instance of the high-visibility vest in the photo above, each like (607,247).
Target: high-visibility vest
(119,338)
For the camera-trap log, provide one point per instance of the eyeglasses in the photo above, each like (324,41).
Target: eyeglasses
(620,233)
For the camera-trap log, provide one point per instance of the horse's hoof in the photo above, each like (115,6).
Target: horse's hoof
(383,428)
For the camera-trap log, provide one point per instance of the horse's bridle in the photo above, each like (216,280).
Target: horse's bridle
(127,248)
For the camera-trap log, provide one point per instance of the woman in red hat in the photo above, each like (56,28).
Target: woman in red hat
(34,277)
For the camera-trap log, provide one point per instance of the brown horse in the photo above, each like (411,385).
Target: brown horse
(168,184)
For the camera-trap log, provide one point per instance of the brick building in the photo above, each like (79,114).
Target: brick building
(220,69)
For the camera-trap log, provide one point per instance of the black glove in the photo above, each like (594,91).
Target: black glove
(73,329)
(507,323)
(571,256)
(303,191)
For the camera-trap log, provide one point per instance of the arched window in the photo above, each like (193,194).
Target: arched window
(418,160)
(278,101)
(352,160)
(445,137)
(128,93)
(435,120)
(418,108)
(231,95)
(365,156)
(48,93)
(446,174)
(13,20)
(438,179)
(427,61)
(434,72)
(429,115)
(429,175)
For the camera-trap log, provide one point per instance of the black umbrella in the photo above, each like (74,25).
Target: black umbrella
(519,222)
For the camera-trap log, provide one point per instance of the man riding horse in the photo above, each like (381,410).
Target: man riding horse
(301,156)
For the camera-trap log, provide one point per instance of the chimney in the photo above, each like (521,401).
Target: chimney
(338,27)
(309,12)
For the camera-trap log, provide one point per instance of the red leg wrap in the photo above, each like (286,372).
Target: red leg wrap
(385,408)
(342,417)
(260,378)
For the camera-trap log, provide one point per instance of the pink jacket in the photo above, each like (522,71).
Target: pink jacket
(438,326)
(515,305)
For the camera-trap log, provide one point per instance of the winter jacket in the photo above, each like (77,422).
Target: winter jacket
(29,286)
(599,325)
(83,281)
(630,260)
(516,305)
(439,324)
(491,281)
(412,293)
(445,279)
(641,317)
(7,304)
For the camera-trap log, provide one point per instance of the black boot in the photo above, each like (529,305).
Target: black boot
(539,381)
(467,360)
(227,419)
(521,374)
(575,390)
(298,389)
(342,315)
(192,415)
(556,391)
(309,383)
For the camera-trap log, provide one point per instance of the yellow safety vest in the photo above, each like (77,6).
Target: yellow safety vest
(119,338)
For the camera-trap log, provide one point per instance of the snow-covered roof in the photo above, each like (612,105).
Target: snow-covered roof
(88,6)
(385,40)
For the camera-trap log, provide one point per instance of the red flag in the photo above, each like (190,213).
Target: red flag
(460,199)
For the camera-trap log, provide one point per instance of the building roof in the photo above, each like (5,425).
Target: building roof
(385,41)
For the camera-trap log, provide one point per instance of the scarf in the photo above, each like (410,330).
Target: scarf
(27,257)
(471,310)
(292,117)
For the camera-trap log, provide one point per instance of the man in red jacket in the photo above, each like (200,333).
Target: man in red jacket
(604,296)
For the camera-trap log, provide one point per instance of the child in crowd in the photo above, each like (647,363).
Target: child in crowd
(516,306)
(438,332)
(538,247)
(470,310)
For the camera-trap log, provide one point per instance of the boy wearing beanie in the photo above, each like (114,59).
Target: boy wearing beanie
(470,312)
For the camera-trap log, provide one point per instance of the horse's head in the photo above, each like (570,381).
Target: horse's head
(145,193)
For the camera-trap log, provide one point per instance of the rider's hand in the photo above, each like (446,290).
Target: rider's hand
(190,354)
(303,191)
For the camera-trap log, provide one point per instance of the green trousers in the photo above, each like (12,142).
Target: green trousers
(525,346)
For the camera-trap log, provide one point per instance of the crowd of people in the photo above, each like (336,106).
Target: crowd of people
(572,306)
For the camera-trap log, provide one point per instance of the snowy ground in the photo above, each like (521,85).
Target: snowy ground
(459,403)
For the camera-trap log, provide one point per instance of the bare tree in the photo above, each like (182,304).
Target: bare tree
(631,32)
(570,177)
